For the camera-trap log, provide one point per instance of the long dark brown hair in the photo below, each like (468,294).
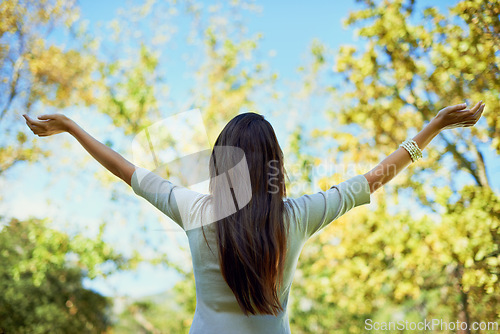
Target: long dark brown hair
(252,238)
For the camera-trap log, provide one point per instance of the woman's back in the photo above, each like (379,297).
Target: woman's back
(217,310)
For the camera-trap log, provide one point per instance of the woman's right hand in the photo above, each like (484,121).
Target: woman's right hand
(48,125)
(457,116)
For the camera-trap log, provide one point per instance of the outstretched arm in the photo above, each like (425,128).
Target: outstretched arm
(447,118)
(48,125)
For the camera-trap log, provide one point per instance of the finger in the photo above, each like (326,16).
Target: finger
(472,121)
(466,122)
(40,124)
(44,117)
(457,107)
(35,129)
(478,112)
(470,113)
(28,119)
(476,107)
(30,126)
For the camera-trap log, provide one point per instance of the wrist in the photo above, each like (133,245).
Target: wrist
(69,125)
(436,124)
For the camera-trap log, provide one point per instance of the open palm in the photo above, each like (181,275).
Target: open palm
(457,116)
(47,125)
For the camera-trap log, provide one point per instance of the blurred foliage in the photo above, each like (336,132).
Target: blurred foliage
(35,71)
(41,271)
(227,86)
(170,312)
(436,256)
(388,267)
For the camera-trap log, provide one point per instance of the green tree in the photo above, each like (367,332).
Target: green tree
(41,272)
(436,253)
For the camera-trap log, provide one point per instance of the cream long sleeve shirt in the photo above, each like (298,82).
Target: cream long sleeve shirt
(217,310)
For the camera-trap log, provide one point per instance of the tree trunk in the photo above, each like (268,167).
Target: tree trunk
(463,306)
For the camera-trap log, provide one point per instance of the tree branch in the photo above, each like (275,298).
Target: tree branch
(463,162)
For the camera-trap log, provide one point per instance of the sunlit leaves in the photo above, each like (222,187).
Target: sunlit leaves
(129,93)
(440,244)
(228,78)
(34,72)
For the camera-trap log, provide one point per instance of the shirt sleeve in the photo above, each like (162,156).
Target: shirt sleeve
(318,210)
(173,200)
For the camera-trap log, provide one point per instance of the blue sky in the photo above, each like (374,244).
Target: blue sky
(77,197)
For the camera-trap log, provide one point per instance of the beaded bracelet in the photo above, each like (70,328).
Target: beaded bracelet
(412,148)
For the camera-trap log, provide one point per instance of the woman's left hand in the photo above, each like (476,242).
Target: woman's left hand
(48,125)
